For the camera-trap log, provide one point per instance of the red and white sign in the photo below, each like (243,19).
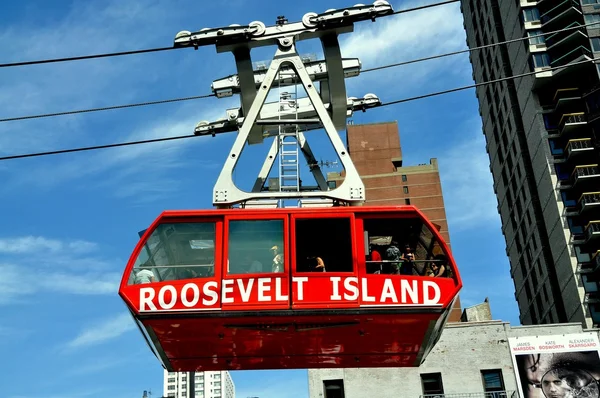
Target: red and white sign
(210,294)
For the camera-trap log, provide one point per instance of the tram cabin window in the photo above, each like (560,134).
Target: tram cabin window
(176,251)
(403,246)
(324,245)
(255,246)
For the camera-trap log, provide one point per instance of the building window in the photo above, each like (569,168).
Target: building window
(492,382)
(407,201)
(540,60)
(333,388)
(590,18)
(432,384)
(536,40)
(595,44)
(404,179)
(531,14)
(405,189)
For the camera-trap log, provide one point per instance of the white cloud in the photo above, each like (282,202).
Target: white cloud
(29,244)
(404,37)
(106,330)
(467,184)
(27,268)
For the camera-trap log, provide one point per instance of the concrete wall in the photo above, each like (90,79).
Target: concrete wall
(463,350)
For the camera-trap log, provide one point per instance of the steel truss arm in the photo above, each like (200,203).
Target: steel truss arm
(269,111)
(226,193)
(227,86)
(256,34)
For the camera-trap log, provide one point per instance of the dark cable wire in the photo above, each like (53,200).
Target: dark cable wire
(150,50)
(90,148)
(106,55)
(28,155)
(425,6)
(12,119)
(487,82)
(478,48)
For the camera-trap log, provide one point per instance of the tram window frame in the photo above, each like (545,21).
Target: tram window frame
(173,269)
(266,249)
(304,258)
(422,238)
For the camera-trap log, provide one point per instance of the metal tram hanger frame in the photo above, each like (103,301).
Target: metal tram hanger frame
(327,109)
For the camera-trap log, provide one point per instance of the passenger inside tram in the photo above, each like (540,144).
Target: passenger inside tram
(324,243)
(421,253)
(254,246)
(176,251)
(316,264)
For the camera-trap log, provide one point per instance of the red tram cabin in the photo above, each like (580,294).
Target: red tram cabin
(287,288)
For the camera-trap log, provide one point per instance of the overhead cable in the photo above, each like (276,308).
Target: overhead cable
(425,6)
(82,57)
(29,155)
(17,118)
(158,49)
(478,48)
(487,82)
(90,148)
(106,108)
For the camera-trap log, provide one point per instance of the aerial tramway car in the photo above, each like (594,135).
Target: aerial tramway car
(290,288)
(337,286)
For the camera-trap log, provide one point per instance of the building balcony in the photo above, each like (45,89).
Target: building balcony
(588,201)
(578,54)
(574,147)
(585,173)
(567,123)
(581,177)
(570,38)
(591,266)
(563,97)
(591,287)
(592,230)
(495,394)
(567,11)
(578,146)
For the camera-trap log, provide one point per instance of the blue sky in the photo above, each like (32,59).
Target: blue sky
(69,222)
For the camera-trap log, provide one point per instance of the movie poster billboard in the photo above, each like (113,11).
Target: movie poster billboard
(557,366)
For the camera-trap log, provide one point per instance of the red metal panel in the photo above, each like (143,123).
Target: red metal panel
(366,340)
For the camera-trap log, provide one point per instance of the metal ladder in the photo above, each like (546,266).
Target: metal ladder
(289,167)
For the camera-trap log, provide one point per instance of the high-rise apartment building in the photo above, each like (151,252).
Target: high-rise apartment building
(376,152)
(198,385)
(543,143)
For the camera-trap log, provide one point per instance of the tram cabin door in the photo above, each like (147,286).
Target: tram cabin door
(256,264)
(383,240)
(324,266)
